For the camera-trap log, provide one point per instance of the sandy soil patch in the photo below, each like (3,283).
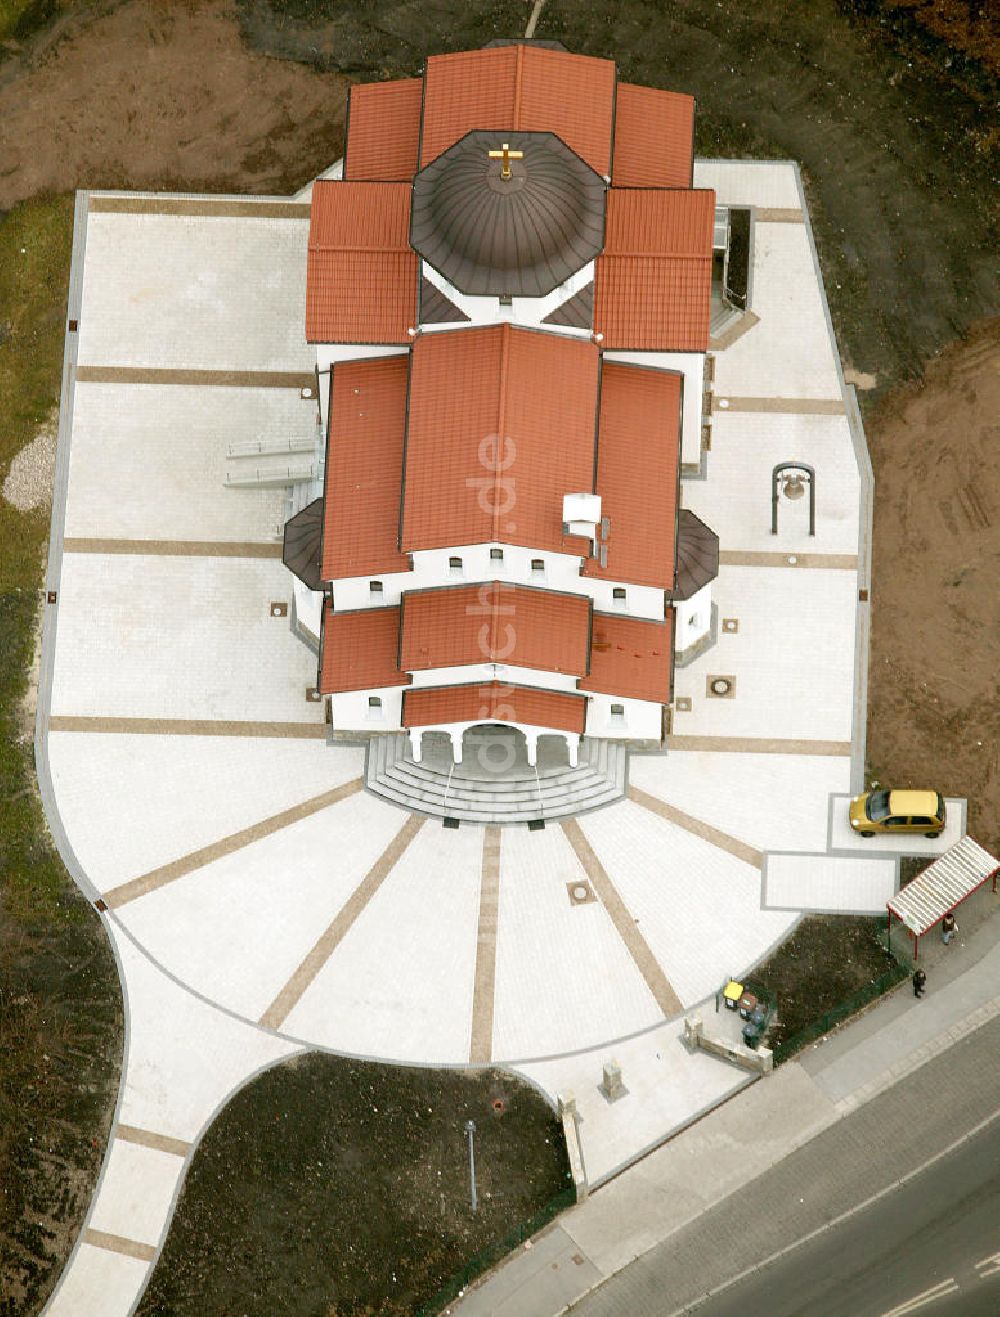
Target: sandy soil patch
(934,693)
(158,95)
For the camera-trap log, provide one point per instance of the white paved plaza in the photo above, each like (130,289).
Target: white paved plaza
(259,900)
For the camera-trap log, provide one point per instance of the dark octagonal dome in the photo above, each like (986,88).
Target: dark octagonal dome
(517,237)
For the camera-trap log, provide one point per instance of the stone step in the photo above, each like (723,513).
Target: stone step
(417,774)
(513,813)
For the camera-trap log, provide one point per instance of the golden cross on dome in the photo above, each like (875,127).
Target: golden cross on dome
(506,155)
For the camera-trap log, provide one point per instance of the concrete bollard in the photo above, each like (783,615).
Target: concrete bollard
(612,1086)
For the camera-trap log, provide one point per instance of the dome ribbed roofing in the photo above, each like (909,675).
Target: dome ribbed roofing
(520,237)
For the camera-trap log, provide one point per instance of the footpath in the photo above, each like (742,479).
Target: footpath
(849,1117)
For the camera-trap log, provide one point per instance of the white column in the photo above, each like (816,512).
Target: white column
(416,743)
(572,749)
(456,745)
(531,740)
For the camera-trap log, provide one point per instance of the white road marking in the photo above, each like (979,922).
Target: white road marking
(928,1296)
(992,1263)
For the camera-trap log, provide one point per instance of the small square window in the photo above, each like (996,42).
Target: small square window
(618,710)
(618,593)
(496,555)
(538,565)
(455,564)
(374,702)
(375,587)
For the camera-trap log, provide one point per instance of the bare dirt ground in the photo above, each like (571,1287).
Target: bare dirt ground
(934,692)
(162,95)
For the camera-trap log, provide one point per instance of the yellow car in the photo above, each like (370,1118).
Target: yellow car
(898,812)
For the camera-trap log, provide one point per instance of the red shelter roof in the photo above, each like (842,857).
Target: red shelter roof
(494,702)
(360,650)
(495,623)
(637,467)
(654,138)
(383,130)
(538,392)
(520,87)
(631,658)
(654,278)
(364,468)
(361,280)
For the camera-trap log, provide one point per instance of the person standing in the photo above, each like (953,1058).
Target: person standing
(948,927)
(919,982)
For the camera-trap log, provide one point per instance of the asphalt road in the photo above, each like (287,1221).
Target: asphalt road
(931,1246)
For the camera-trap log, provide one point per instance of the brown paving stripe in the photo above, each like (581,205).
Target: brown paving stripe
(147,1139)
(735,331)
(758,745)
(766,558)
(481,1047)
(695,826)
(783,406)
(130,1248)
(779,215)
(214,207)
(169,873)
(289,996)
(636,945)
(186,727)
(174,548)
(238,379)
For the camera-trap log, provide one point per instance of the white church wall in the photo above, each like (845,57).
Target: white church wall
(504,673)
(638,719)
(352,711)
(693,618)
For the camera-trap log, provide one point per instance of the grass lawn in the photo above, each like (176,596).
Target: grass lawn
(60,1003)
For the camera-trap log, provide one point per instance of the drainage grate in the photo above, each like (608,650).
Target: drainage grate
(731,624)
(682,704)
(277,608)
(720,688)
(536,825)
(580,893)
(450,822)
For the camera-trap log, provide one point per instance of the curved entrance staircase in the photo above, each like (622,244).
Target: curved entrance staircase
(471,792)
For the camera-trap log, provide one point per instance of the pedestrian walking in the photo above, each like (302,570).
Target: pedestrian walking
(919,980)
(948,927)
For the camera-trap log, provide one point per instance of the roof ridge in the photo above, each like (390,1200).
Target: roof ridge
(505,339)
(518,82)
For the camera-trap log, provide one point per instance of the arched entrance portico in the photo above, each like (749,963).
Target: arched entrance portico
(500,748)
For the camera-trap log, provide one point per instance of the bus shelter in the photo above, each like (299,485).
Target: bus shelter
(942,887)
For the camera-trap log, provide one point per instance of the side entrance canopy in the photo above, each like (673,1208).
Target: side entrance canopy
(942,886)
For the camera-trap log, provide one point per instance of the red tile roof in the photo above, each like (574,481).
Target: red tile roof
(364,468)
(359,650)
(654,278)
(495,623)
(637,462)
(538,391)
(383,130)
(631,658)
(361,278)
(520,87)
(491,703)
(654,138)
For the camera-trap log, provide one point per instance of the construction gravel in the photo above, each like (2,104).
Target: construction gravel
(29,481)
